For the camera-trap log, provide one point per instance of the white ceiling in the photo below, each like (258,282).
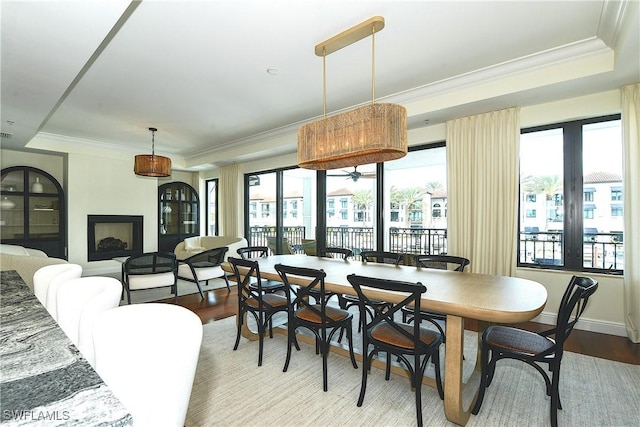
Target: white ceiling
(103,72)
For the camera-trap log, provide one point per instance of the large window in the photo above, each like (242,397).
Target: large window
(399,205)
(285,200)
(573,173)
(415,197)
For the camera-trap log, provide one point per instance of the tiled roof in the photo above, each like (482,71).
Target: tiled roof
(597,177)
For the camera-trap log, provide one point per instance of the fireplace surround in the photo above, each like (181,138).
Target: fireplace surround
(111,236)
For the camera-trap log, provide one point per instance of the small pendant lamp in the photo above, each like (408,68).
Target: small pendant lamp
(150,164)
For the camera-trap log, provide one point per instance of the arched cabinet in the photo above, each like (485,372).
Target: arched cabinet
(32,208)
(179,214)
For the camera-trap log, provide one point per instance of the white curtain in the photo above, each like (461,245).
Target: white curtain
(231,201)
(482,165)
(630,96)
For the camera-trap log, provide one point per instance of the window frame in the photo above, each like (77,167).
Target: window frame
(208,201)
(573,196)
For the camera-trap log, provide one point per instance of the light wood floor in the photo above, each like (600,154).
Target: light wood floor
(221,303)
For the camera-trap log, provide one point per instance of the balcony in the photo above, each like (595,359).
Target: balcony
(358,239)
(601,251)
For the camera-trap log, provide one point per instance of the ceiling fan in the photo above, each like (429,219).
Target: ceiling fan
(355,175)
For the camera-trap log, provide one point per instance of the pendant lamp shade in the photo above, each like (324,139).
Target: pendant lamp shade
(152,164)
(373,133)
(369,134)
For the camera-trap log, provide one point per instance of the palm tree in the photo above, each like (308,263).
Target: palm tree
(407,198)
(362,201)
(433,186)
(549,185)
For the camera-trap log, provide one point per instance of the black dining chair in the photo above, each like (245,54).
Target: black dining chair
(251,252)
(252,299)
(505,342)
(413,345)
(346,301)
(334,252)
(441,262)
(331,252)
(321,319)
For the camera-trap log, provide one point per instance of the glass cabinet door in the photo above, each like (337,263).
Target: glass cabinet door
(179,215)
(32,210)
(43,208)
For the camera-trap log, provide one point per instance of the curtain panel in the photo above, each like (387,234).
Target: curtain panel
(231,201)
(482,165)
(630,98)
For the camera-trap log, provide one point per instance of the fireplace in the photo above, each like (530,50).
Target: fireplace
(111,236)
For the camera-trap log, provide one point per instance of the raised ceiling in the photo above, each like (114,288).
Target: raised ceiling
(102,72)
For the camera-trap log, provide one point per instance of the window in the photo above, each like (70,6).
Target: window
(359,211)
(588,196)
(212,207)
(416,186)
(575,170)
(588,212)
(531,213)
(436,212)
(285,200)
(616,194)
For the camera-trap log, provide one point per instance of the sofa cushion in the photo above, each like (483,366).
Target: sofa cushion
(211,242)
(26,266)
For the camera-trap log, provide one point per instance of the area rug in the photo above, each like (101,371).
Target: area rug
(231,390)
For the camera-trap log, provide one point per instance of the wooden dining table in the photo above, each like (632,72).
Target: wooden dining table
(488,299)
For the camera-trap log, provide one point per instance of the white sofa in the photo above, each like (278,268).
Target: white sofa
(25,261)
(193,245)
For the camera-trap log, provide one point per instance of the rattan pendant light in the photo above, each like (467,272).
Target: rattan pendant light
(151,164)
(370,134)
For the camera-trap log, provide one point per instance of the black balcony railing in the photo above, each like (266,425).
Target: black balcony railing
(602,251)
(427,241)
(358,239)
(294,235)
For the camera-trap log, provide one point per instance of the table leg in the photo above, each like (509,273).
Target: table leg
(245,331)
(459,397)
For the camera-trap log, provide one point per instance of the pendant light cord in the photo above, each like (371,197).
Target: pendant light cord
(373,64)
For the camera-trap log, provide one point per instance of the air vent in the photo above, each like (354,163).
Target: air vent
(6,135)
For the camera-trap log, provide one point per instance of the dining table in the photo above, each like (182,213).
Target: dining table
(44,379)
(487,299)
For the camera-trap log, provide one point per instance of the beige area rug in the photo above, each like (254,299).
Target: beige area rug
(231,390)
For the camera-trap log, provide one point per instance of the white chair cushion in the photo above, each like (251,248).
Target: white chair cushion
(148,281)
(203,273)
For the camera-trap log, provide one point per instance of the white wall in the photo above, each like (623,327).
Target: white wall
(97,182)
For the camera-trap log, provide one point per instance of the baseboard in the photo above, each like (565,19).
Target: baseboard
(587,324)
